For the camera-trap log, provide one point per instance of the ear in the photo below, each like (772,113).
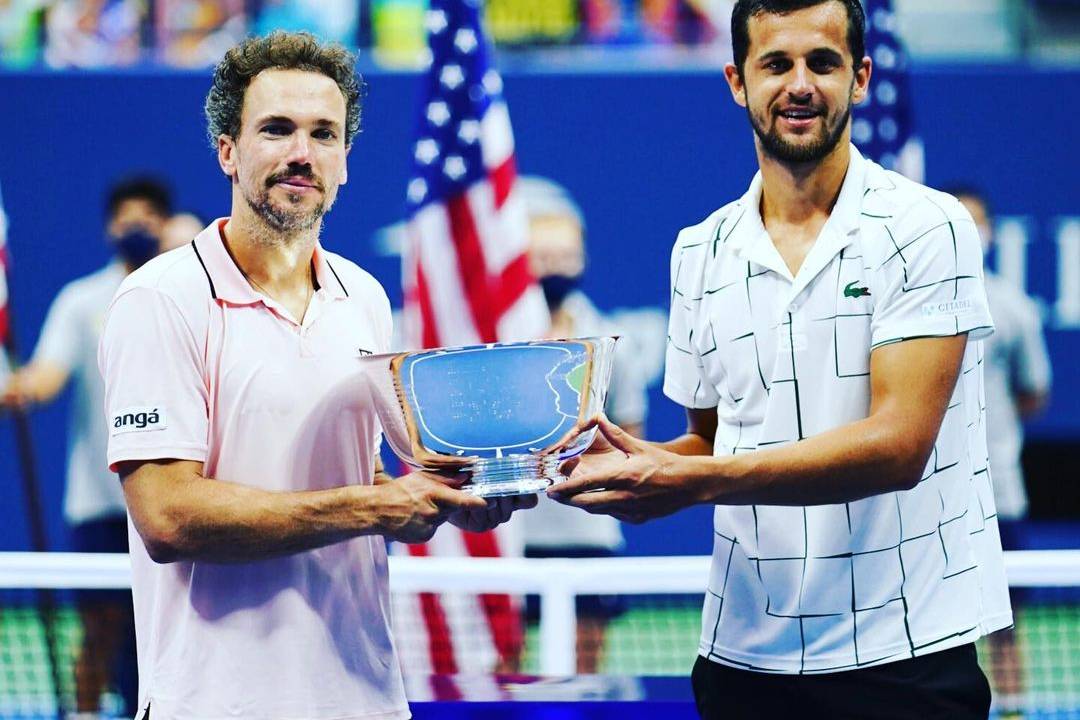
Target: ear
(862,80)
(226,152)
(735,83)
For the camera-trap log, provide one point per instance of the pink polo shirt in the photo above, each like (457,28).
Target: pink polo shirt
(199,366)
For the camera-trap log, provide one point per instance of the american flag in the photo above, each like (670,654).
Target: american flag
(467,281)
(883,128)
(467,276)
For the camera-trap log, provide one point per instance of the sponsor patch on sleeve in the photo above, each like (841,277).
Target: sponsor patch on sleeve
(138,419)
(948,307)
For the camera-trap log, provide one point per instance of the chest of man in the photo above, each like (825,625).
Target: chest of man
(288,396)
(777,348)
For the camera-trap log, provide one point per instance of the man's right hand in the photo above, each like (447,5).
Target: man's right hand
(413,506)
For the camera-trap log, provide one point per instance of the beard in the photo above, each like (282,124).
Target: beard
(776,147)
(291,218)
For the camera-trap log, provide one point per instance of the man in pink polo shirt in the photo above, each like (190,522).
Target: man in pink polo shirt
(248,455)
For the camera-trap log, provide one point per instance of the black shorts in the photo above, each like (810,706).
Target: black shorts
(108,535)
(948,685)
(597,607)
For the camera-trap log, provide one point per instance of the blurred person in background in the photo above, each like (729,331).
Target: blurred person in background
(557,259)
(180,229)
(136,211)
(94,33)
(1017,375)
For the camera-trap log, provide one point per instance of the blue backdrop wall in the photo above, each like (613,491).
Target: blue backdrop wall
(644,153)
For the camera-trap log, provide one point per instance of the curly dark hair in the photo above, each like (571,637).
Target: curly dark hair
(284,51)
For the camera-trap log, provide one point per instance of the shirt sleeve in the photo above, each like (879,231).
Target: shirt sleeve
(156,398)
(931,284)
(684,374)
(59,341)
(1032,362)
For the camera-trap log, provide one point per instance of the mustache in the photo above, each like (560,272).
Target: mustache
(294,171)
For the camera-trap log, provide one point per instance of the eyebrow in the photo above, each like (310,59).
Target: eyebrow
(816,52)
(322,122)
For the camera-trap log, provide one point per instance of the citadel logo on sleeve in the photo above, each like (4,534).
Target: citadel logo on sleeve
(138,419)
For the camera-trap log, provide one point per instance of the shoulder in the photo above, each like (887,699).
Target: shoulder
(714,228)
(357,282)
(175,278)
(907,207)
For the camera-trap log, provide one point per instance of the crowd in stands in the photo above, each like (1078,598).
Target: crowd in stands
(195,33)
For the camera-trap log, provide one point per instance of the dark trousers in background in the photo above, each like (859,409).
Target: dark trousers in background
(948,685)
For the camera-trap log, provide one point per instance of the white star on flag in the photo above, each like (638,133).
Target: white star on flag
(452,76)
(469,131)
(435,21)
(438,113)
(492,83)
(454,167)
(465,40)
(417,189)
(427,150)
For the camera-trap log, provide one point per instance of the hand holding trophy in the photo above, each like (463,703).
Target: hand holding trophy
(506,413)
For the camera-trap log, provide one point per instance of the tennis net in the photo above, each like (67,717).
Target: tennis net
(1035,671)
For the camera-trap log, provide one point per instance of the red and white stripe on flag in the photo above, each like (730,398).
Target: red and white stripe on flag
(467,281)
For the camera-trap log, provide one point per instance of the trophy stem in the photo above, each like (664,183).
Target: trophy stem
(513,475)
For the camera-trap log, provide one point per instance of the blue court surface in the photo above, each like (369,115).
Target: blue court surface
(490,402)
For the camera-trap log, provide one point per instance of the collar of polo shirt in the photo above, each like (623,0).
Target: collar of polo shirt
(229,285)
(750,241)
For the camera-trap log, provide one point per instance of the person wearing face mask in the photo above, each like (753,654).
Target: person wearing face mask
(136,211)
(557,259)
(1017,372)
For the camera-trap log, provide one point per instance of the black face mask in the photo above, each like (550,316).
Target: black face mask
(136,247)
(557,287)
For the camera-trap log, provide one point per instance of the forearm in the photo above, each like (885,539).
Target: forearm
(688,444)
(864,458)
(218,521)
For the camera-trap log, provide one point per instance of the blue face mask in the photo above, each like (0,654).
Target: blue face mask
(557,287)
(135,247)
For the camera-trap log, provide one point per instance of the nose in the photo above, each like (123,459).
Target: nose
(299,149)
(800,84)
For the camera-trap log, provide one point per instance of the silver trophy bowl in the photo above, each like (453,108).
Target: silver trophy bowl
(506,413)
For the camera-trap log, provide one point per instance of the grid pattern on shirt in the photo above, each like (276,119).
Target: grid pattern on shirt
(831,587)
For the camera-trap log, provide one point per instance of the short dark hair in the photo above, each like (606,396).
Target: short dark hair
(278,51)
(141,187)
(746,9)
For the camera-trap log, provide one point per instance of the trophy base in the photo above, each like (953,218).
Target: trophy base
(515,475)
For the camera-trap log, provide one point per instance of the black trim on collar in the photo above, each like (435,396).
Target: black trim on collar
(315,277)
(338,278)
(213,292)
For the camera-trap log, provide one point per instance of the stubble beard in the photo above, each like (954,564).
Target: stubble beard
(780,149)
(283,222)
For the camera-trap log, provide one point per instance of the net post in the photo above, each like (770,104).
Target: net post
(558,630)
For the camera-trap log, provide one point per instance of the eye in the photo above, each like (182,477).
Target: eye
(778,65)
(276,129)
(324,134)
(823,67)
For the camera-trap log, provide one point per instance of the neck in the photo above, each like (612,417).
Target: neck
(274,260)
(797,193)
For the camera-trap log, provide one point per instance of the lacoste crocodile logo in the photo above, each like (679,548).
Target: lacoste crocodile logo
(855,292)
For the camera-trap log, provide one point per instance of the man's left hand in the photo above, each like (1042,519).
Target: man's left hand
(498,511)
(633,480)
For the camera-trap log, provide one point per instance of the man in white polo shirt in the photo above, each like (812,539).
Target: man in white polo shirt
(824,339)
(241,431)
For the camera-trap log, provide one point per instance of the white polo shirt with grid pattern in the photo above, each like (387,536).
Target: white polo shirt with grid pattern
(835,587)
(199,366)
